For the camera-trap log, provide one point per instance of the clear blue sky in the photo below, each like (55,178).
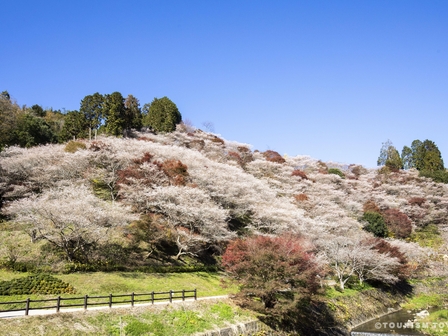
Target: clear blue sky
(329,79)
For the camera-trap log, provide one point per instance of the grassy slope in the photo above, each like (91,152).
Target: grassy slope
(179,319)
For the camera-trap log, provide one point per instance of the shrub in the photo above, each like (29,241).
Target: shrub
(176,171)
(73,146)
(35,284)
(217,140)
(147,157)
(323,168)
(271,268)
(370,206)
(197,144)
(386,248)
(437,176)
(376,224)
(300,173)
(359,170)
(336,171)
(398,223)
(236,157)
(417,201)
(428,236)
(301,197)
(273,156)
(96,146)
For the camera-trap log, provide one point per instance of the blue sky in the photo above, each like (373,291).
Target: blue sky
(329,79)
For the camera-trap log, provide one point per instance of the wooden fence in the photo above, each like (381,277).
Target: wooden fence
(87,300)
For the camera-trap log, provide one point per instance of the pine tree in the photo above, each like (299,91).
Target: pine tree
(163,115)
(114,112)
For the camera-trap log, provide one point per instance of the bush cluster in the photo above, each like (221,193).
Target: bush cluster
(273,156)
(437,176)
(73,146)
(336,171)
(298,172)
(35,284)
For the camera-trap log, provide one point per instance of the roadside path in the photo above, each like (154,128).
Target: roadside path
(21,313)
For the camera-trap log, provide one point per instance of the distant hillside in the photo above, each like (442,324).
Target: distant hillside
(180,197)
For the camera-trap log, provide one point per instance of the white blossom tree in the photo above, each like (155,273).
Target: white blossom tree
(70,218)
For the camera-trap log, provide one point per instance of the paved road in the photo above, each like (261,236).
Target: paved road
(21,313)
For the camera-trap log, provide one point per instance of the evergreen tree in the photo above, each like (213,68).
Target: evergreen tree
(38,111)
(32,131)
(163,115)
(114,112)
(426,156)
(92,109)
(376,224)
(389,157)
(9,114)
(406,157)
(75,125)
(133,114)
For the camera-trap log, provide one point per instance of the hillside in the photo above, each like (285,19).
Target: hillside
(178,198)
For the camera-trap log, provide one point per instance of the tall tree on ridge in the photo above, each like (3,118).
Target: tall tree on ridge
(162,116)
(114,112)
(92,108)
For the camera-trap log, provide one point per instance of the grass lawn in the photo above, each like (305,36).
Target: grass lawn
(177,319)
(100,283)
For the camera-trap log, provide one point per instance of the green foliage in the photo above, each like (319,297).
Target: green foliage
(389,157)
(92,109)
(35,284)
(75,126)
(406,157)
(9,113)
(424,301)
(437,176)
(115,113)
(135,328)
(162,116)
(376,224)
(336,171)
(428,236)
(38,111)
(73,146)
(102,190)
(424,156)
(31,131)
(5,95)
(133,114)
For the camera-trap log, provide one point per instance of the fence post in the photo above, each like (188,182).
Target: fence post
(183,294)
(171,295)
(195,294)
(85,301)
(27,307)
(58,304)
(152,297)
(132,299)
(110,300)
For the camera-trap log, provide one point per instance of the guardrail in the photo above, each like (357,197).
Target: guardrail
(133,298)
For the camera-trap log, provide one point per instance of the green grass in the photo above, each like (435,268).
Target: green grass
(182,319)
(429,236)
(437,323)
(424,301)
(100,283)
